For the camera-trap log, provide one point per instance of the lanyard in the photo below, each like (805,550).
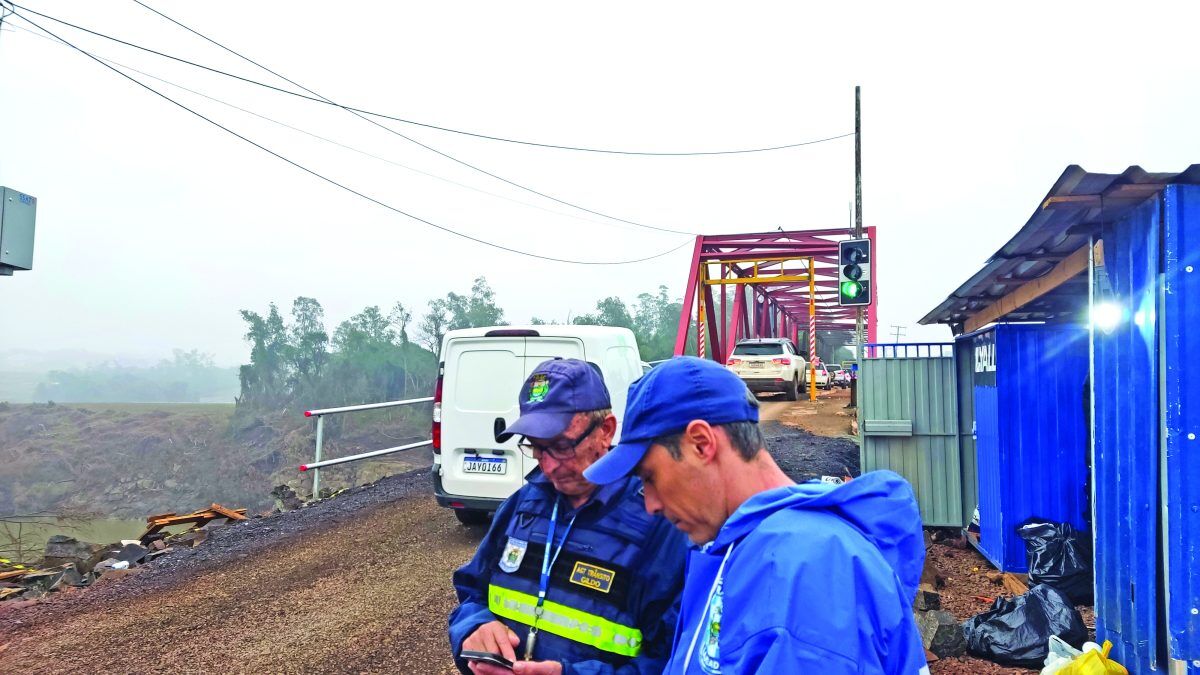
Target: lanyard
(687,660)
(544,580)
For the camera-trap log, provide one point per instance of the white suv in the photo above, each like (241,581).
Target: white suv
(769,365)
(479,379)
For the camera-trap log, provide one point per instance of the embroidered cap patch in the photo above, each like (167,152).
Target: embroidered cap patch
(539,388)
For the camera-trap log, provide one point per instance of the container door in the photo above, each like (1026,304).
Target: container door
(1125,460)
(483,378)
(1180,322)
(987,446)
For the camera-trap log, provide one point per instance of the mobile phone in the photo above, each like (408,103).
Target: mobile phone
(486,657)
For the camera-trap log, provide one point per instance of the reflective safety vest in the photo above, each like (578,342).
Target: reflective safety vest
(613,591)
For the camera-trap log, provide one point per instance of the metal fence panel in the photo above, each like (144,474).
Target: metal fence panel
(1126,453)
(1180,324)
(909,424)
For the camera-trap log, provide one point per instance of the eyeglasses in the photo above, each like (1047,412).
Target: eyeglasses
(560,451)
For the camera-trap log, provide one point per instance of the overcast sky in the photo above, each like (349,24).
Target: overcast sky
(155,227)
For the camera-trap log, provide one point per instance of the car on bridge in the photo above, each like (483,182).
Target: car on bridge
(769,365)
(475,398)
(824,377)
(841,378)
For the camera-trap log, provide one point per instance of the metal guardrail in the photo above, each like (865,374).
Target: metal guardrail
(317,463)
(909,350)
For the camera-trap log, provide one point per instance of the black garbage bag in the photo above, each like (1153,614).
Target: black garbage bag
(1061,556)
(1015,631)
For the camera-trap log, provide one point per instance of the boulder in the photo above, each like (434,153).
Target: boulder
(927,598)
(941,633)
(102,554)
(286,498)
(64,550)
(132,553)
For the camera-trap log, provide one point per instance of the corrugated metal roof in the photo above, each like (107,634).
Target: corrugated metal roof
(1074,208)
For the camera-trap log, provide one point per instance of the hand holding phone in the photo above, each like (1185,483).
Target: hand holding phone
(486,657)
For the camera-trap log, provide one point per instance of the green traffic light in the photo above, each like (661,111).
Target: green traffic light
(851,289)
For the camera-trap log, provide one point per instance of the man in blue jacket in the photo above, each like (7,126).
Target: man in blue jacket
(788,578)
(571,577)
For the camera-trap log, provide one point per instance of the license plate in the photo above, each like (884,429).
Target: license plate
(756,364)
(496,465)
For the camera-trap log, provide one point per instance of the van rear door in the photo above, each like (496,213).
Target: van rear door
(483,377)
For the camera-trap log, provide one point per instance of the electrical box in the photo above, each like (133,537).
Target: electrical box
(18,212)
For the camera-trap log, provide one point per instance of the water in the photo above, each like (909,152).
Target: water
(33,533)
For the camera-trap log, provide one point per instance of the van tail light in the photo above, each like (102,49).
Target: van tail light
(733,362)
(435,433)
(782,362)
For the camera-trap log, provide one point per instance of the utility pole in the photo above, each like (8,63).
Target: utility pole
(859,351)
(899,332)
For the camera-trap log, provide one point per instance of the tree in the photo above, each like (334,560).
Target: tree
(434,326)
(265,376)
(309,340)
(460,311)
(610,311)
(399,318)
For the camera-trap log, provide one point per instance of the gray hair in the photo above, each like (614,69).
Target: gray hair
(745,437)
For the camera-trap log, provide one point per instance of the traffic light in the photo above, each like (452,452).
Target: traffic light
(854,272)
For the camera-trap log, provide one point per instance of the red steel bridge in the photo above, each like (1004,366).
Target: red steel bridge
(780,284)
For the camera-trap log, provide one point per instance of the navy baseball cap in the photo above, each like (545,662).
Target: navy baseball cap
(667,399)
(553,393)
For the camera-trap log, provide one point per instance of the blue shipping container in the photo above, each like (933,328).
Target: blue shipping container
(1030,432)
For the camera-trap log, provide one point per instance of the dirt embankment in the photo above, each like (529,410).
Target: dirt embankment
(132,460)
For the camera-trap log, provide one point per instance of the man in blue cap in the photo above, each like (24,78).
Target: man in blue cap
(572,577)
(788,578)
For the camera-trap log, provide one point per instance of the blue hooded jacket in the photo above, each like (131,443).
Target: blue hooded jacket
(816,578)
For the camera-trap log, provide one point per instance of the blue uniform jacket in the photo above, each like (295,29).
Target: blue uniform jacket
(816,579)
(620,572)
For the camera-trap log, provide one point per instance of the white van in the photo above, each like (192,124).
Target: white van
(479,380)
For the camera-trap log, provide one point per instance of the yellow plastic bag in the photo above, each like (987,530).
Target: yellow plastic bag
(1094,663)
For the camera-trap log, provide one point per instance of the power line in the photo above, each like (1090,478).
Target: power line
(321,99)
(336,183)
(14,28)
(359,114)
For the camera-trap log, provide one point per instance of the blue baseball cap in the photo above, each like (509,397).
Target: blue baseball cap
(553,393)
(666,400)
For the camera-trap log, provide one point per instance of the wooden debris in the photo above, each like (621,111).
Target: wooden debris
(995,577)
(1014,585)
(5,593)
(232,514)
(154,524)
(930,657)
(14,574)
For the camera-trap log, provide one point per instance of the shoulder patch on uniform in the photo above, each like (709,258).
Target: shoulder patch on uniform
(593,577)
(514,553)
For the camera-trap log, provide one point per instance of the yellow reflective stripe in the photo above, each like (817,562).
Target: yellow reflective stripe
(567,622)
